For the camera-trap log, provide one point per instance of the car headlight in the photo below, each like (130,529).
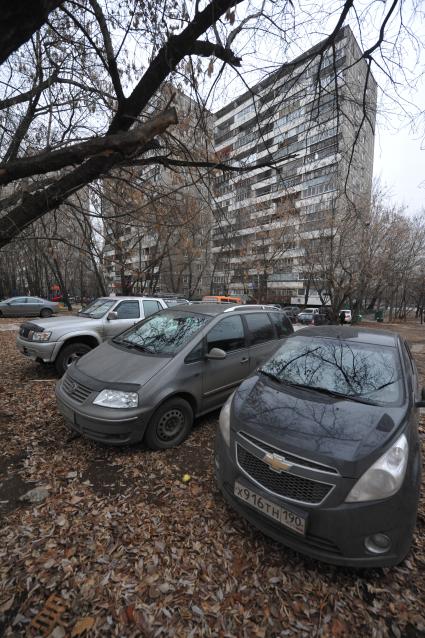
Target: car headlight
(384,477)
(41,336)
(117,399)
(224,420)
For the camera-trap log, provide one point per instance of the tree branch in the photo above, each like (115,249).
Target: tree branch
(127,143)
(168,57)
(222,166)
(205,49)
(19,20)
(34,206)
(28,95)
(112,63)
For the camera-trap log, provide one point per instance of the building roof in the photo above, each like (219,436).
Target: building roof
(286,69)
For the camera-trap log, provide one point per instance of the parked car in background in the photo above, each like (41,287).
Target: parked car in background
(64,339)
(322,318)
(172,298)
(306,316)
(347,314)
(27,307)
(221,299)
(152,380)
(320,449)
(175,301)
(292,312)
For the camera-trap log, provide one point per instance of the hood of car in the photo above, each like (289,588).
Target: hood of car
(343,434)
(64,323)
(107,365)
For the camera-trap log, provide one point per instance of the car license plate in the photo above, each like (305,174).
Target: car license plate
(293,520)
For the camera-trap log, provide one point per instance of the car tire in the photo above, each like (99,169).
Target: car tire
(69,354)
(170,424)
(46,312)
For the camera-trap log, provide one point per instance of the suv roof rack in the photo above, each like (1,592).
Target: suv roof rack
(252,307)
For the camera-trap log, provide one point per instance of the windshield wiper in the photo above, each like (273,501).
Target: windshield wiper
(332,393)
(131,344)
(270,375)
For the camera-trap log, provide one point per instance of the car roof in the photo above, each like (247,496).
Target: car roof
(214,309)
(122,298)
(348,333)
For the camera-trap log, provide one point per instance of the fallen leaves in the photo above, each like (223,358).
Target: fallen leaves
(132,550)
(82,626)
(6,603)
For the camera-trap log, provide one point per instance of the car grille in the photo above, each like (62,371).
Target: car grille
(75,390)
(291,486)
(292,458)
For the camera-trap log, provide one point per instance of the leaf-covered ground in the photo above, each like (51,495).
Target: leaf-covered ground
(130,550)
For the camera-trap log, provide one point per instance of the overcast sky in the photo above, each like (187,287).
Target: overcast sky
(400,163)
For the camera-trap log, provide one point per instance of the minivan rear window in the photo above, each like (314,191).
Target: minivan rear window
(164,333)
(281,323)
(260,328)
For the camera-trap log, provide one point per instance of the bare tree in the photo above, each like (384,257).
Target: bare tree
(74,90)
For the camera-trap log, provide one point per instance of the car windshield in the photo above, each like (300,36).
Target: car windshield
(164,333)
(97,308)
(351,369)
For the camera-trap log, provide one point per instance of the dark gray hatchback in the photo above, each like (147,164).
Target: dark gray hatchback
(320,450)
(153,379)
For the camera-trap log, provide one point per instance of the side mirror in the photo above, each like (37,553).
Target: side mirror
(112,315)
(216,353)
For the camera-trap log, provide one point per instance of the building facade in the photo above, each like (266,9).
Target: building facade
(311,126)
(157,219)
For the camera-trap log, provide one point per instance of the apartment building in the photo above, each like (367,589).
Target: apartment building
(158,219)
(311,124)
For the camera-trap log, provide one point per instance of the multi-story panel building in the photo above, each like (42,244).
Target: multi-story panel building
(158,221)
(311,127)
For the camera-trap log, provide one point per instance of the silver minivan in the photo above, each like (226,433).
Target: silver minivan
(150,381)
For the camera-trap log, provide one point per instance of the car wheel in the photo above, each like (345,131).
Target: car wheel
(46,312)
(170,425)
(68,355)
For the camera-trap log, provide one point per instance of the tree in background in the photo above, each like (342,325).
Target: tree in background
(73,86)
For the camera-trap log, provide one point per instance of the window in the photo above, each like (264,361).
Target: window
(128,310)
(281,323)
(260,328)
(34,300)
(97,308)
(227,335)
(163,333)
(150,306)
(18,300)
(196,354)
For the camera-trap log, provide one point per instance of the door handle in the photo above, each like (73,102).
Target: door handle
(244,360)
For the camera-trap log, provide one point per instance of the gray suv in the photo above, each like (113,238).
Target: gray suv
(150,381)
(62,340)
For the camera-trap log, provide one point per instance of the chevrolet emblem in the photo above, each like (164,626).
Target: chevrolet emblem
(277,463)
